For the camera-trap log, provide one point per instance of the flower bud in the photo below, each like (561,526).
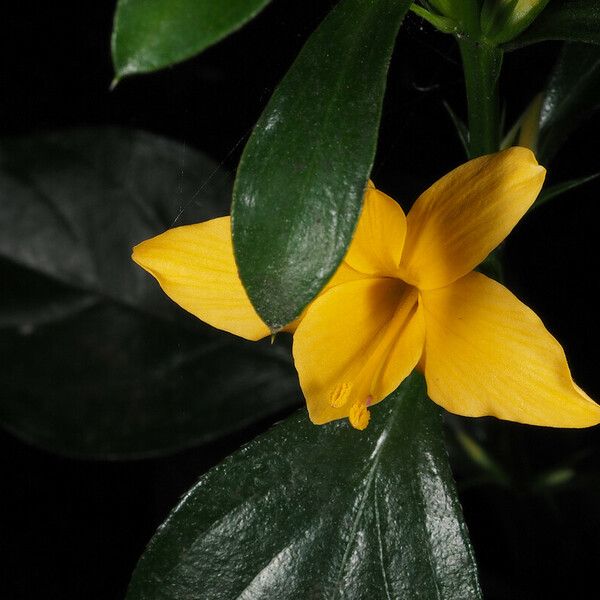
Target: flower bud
(503,20)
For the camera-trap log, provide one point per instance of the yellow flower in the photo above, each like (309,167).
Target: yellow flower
(404,297)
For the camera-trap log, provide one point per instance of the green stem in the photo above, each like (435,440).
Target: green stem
(481,63)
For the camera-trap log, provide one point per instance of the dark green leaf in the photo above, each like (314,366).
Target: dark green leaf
(570,97)
(74,203)
(558,189)
(152,34)
(29,300)
(301,179)
(569,20)
(321,512)
(96,360)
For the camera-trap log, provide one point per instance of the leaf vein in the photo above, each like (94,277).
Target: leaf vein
(380,543)
(363,501)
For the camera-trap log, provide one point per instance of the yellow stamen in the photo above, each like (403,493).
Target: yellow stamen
(338,397)
(359,415)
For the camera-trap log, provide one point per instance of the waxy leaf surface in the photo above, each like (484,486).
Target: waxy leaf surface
(321,512)
(96,361)
(153,34)
(569,20)
(301,179)
(570,97)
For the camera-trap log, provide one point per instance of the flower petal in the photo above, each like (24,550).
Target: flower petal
(355,345)
(462,217)
(344,274)
(486,353)
(194,265)
(377,243)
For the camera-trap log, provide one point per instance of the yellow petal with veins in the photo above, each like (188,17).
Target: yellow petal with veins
(355,345)
(377,243)
(462,217)
(344,274)
(486,353)
(194,265)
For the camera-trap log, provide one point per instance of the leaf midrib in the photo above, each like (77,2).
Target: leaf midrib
(379,446)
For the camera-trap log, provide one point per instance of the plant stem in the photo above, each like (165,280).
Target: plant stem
(481,63)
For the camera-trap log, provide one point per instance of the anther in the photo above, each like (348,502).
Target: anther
(359,414)
(338,397)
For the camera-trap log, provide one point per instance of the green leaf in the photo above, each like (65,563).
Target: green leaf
(302,176)
(569,20)
(321,512)
(570,97)
(152,34)
(96,361)
(559,189)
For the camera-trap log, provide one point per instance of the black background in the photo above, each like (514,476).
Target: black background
(74,529)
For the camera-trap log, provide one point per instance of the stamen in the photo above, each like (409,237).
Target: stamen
(359,415)
(338,397)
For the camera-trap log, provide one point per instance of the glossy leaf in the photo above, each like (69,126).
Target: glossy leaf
(570,97)
(74,202)
(569,20)
(153,34)
(96,361)
(321,512)
(301,179)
